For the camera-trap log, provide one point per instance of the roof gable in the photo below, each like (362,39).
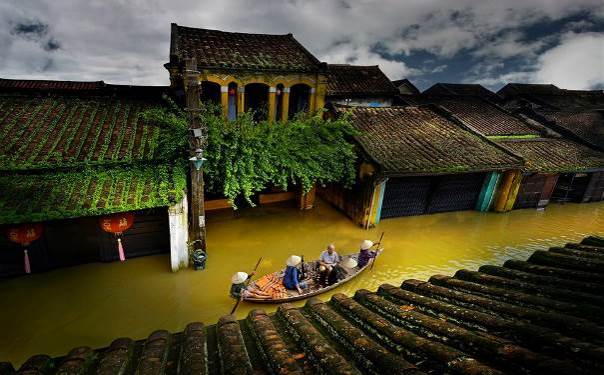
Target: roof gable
(230,50)
(461,89)
(356,80)
(405,87)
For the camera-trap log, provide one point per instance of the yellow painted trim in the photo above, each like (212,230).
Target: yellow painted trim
(271,105)
(504,191)
(241,101)
(285,112)
(508,191)
(509,205)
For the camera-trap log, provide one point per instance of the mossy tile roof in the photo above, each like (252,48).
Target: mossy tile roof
(555,155)
(540,316)
(418,140)
(230,50)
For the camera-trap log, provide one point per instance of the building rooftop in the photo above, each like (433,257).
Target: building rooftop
(551,155)
(356,80)
(215,49)
(419,140)
(552,97)
(461,89)
(55,143)
(484,116)
(543,315)
(586,125)
(405,87)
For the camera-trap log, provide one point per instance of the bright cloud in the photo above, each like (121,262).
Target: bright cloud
(576,63)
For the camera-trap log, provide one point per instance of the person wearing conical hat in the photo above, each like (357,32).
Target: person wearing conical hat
(365,254)
(291,279)
(240,290)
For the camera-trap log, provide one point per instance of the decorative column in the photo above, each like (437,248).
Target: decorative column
(179,222)
(311,100)
(487,194)
(224,101)
(285,104)
(197,227)
(241,99)
(271,103)
(321,90)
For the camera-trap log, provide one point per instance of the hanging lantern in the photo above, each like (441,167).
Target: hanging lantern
(117,224)
(232,92)
(25,234)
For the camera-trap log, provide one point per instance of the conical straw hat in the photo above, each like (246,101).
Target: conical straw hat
(293,261)
(239,278)
(366,245)
(349,263)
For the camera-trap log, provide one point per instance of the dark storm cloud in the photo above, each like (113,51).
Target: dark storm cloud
(449,40)
(33,29)
(52,45)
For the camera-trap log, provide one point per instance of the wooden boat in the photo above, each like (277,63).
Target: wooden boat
(274,281)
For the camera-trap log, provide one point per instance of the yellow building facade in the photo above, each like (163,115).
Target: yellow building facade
(273,76)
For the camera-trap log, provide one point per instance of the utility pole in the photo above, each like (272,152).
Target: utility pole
(197,140)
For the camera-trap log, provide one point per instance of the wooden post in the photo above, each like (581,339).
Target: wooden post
(197,227)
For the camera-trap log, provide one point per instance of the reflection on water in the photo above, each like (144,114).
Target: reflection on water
(95,303)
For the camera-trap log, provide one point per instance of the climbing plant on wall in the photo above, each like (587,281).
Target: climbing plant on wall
(245,157)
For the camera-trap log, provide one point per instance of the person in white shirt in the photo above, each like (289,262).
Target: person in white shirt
(328,260)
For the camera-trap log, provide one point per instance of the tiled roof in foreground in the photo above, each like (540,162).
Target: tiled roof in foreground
(417,139)
(541,316)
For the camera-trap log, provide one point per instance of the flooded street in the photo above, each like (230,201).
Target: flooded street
(95,303)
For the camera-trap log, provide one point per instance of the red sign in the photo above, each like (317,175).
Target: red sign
(25,234)
(117,223)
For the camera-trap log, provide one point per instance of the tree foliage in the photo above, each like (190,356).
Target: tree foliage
(245,157)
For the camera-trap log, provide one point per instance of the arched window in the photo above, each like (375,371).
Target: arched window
(299,99)
(279,102)
(232,92)
(256,100)
(210,92)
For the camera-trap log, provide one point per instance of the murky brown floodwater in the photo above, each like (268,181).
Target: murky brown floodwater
(95,303)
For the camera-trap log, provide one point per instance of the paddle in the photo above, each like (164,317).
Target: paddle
(303,272)
(376,254)
(247,282)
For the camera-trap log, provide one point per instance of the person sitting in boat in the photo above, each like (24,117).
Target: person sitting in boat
(327,262)
(291,279)
(365,254)
(239,290)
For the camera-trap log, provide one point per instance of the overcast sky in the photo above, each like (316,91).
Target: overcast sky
(426,41)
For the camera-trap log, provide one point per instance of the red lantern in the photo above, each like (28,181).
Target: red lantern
(25,234)
(232,92)
(117,224)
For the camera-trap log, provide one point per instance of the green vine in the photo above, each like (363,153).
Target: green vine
(245,157)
